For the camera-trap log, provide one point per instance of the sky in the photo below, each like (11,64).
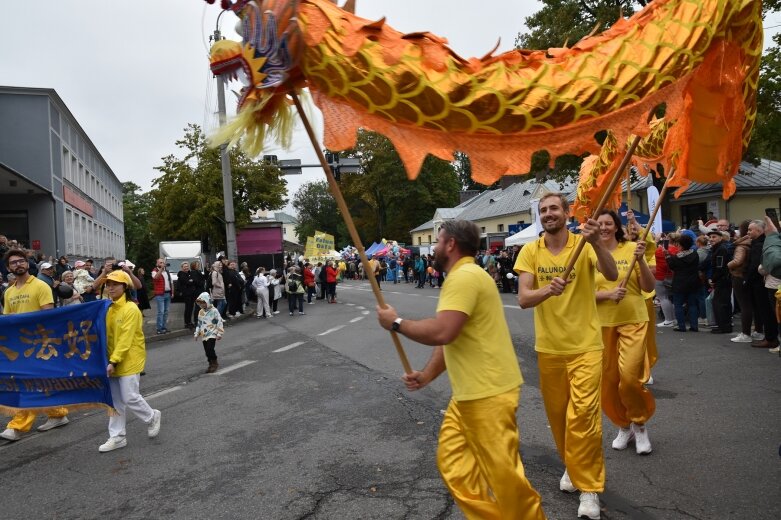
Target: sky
(135,73)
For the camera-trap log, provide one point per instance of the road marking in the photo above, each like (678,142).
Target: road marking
(435,297)
(331,330)
(292,345)
(513,306)
(365,313)
(231,368)
(359,318)
(350,305)
(155,395)
(360,307)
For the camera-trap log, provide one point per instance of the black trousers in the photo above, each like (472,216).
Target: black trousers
(208,348)
(722,304)
(190,317)
(764,311)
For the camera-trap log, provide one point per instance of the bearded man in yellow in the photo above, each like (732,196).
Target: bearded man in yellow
(28,294)
(478,454)
(569,343)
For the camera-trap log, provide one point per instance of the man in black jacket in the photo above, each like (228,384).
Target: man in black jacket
(720,282)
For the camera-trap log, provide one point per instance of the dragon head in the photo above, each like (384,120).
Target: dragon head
(266,60)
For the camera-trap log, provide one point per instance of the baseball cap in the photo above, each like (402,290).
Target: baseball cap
(119,276)
(46,265)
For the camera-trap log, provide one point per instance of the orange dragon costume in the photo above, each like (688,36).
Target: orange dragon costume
(700,58)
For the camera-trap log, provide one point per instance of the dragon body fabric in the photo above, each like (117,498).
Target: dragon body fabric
(699,57)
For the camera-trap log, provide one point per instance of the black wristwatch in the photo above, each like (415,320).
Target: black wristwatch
(396,324)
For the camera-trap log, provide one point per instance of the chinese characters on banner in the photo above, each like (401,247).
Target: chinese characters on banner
(54,358)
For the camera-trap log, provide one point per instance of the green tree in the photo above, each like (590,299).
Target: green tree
(317,211)
(765,142)
(383,202)
(141,246)
(564,22)
(187,199)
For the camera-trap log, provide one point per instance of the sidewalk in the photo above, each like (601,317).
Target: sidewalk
(176,322)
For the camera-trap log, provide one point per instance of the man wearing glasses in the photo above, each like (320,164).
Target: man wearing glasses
(28,294)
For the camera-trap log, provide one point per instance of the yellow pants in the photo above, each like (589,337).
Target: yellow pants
(23,421)
(650,336)
(479,460)
(625,368)
(570,390)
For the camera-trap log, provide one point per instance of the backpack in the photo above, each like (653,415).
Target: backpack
(292,286)
(209,283)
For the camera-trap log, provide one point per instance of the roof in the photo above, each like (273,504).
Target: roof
(423,227)
(516,198)
(448,213)
(285,218)
(765,177)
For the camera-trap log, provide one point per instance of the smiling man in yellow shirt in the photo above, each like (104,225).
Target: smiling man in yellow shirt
(28,294)
(569,343)
(478,454)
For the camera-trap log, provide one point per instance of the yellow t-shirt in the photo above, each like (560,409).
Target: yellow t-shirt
(33,295)
(481,361)
(632,308)
(125,338)
(566,324)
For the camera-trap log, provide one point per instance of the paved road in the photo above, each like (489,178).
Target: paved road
(307,419)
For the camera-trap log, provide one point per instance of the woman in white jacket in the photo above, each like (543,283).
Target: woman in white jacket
(261,283)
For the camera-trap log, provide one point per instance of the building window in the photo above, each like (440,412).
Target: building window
(482,229)
(500,228)
(429,239)
(420,240)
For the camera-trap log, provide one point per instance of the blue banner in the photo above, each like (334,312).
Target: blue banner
(54,358)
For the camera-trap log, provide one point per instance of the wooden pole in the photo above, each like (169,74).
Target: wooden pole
(648,226)
(348,220)
(617,176)
(629,188)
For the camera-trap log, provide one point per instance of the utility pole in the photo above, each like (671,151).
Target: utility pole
(227,181)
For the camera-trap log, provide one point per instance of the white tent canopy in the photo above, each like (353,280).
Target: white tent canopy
(524,236)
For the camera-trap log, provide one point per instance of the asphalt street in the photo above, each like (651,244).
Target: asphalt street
(307,419)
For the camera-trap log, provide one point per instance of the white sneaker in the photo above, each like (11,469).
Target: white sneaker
(650,380)
(589,506)
(11,435)
(276,312)
(53,422)
(741,338)
(622,438)
(113,443)
(775,350)
(642,442)
(154,425)
(757,336)
(565,484)
(665,324)
(703,322)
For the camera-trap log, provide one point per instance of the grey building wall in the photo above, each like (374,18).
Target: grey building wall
(42,142)
(24,136)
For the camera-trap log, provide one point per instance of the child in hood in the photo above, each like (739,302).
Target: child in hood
(209,329)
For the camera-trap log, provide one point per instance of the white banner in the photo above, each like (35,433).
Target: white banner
(536,214)
(653,199)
